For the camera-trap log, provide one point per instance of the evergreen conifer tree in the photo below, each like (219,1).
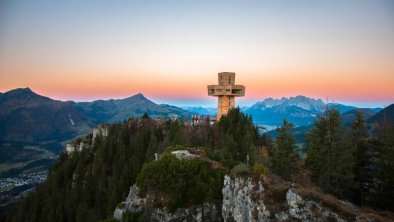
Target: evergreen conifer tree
(284,158)
(330,155)
(363,175)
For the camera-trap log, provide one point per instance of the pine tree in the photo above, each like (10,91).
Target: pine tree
(385,195)
(238,135)
(145,116)
(362,172)
(330,155)
(284,158)
(152,148)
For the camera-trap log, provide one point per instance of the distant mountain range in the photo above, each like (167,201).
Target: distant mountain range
(300,110)
(198,110)
(348,117)
(29,117)
(117,110)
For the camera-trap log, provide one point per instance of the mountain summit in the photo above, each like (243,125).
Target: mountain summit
(300,110)
(28,117)
(117,110)
(298,101)
(23,95)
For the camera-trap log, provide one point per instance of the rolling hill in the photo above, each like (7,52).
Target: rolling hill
(385,116)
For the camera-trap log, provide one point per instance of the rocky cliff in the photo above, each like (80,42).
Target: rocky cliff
(244,199)
(138,205)
(85,142)
(273,199)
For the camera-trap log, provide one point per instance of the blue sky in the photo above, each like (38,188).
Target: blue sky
(170,50)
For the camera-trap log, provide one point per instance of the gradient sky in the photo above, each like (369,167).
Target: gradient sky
(83,50)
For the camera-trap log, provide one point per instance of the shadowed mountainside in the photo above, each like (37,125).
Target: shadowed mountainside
(117,110)
(28,117)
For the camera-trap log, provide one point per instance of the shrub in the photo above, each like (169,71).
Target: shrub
(184,182)
(259,170)
(240,170)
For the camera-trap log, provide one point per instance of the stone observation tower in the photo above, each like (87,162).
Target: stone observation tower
(226,92)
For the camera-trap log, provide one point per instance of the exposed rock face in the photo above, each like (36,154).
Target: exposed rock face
(70,148)
(135,204)
(247,200)
(306,210)
(183,154)
(240,202)
(101,130)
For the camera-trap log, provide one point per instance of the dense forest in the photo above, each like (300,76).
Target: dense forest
(88,185)
(344,161)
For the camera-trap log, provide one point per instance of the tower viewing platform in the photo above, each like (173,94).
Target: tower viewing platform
(226,92)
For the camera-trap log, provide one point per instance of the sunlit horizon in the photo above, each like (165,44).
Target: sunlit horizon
(209,102)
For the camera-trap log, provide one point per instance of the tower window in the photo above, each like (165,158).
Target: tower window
(236,91)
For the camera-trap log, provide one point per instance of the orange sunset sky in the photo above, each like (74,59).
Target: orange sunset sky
(342,50)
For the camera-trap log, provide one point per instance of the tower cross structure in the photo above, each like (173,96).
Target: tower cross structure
(226,92)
